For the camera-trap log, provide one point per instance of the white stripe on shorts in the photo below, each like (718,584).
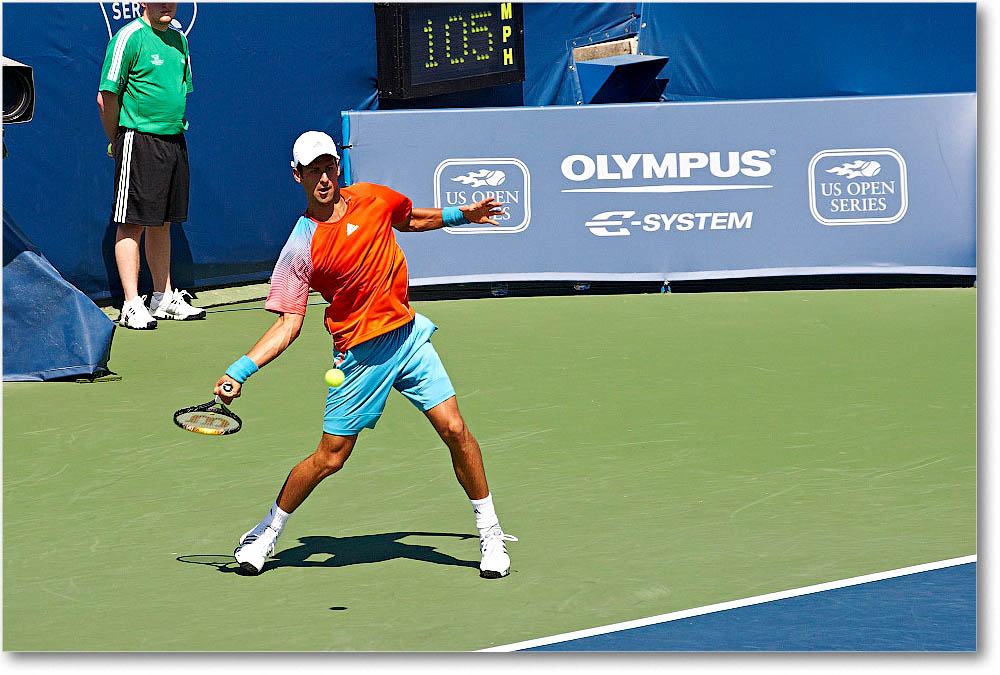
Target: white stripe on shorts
(121,198)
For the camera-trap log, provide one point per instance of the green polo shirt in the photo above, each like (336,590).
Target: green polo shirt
(150,70)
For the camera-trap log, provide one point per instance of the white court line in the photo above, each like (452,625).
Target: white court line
(733,604)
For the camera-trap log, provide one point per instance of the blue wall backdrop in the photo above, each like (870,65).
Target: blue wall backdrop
(265,72)
(792,50)
(262,74)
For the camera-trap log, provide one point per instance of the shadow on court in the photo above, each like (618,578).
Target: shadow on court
(322,551)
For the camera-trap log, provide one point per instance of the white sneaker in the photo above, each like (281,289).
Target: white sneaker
(255,546)
(173,306)
(135,315)
(496,562)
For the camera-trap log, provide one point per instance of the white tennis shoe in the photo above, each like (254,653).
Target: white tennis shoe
(174,306)
(255,547)
(135,315)
(496,562)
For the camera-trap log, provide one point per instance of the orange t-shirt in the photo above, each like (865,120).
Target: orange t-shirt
(354,263)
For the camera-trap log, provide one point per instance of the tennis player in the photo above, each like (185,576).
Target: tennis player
(343,247)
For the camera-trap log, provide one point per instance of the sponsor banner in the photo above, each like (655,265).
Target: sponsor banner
(685,190)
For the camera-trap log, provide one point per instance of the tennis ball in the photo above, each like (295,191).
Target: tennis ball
(870,169)
(334,377)
(495,178)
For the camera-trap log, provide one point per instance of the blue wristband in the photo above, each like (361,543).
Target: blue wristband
(243,368)
(453,216)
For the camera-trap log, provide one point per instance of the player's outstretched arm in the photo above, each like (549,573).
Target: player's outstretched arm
(424,220)
(278,337)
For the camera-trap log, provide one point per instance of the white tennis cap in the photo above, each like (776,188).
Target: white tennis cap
(311,145)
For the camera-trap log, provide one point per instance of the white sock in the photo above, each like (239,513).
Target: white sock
(156,299)
(276,518)
(486,515)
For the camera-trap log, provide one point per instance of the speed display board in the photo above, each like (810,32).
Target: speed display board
(431,49)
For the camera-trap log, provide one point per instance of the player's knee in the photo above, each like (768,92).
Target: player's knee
(129,231)
(329,462)
(453,430)
(330,457)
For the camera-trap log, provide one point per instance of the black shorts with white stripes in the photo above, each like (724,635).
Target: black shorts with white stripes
(151,178)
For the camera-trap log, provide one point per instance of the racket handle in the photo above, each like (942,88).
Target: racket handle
(227,387)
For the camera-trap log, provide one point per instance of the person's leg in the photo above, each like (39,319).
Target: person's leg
(256,545)
(165,179)
(134,313)
(125,215)
(425,382)
(136,206)
(127,258)
(167,302)
(467,459)
(466,456)
(327,460)
(158,257)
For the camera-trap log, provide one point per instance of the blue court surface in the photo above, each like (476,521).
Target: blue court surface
(923,608)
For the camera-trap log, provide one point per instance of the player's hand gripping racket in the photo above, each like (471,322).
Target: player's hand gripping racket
(212,418)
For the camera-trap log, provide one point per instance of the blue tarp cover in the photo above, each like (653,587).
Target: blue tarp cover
(51,330)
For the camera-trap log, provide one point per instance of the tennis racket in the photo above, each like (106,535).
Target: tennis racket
(212,418)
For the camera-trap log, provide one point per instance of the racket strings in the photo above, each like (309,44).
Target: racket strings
(213,419)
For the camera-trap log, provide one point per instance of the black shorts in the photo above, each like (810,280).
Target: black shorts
(151,178)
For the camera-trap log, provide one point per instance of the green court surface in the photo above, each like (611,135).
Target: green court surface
(652,453)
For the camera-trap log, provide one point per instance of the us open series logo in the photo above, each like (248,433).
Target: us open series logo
(858,187)
(117,14)
(459,182)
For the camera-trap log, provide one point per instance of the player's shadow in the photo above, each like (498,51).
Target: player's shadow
(323,551)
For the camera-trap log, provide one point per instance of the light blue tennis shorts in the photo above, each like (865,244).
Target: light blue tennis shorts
(403,359)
